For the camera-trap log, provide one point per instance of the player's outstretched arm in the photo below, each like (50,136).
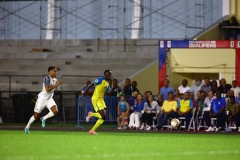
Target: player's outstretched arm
(86,91)
(49,87)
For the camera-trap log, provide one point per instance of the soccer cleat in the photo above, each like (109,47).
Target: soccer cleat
(27,131)
(88,116)
(43,122)
(92,132)
(210,129)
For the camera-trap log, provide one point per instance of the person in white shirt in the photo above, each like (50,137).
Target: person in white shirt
(184,87)
(196,86)
(235,88)
(45,98)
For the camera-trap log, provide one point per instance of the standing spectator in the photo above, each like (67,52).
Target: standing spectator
(185,107)
(134,86)
(235,88)
(137,112)
(116,90)
(90,90)
(214,86)
(196,86)
(123,112)
(165,90)
(184,87)
(223,88)
(233,112)
(127,89)
(169,109)
(217,110)
(206,87)
(151,110)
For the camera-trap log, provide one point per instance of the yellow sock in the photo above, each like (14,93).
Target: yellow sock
(96,114)
(98,123)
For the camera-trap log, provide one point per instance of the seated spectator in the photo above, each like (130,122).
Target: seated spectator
(237,99)
(195,104)
(201,101)
(134,122)
(151,110)
(165,90)
(184,87)
(116,90)
(196,86)
(208,100)
(123,112)
(199,95)
(235,88)
(127,89)
(217,110)
(233,112)
(133,101)
(160,101)
(228,95)
(214,86)
(169,109)
(177,95)
(134,86)
(206,87)
(185,107)
(223,88)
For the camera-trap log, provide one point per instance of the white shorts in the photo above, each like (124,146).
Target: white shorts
(42,102)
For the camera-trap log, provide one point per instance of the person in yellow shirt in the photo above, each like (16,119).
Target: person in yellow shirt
(169,109)
(185,107)
(101,88)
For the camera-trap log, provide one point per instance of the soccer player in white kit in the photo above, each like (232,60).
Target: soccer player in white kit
(45,98)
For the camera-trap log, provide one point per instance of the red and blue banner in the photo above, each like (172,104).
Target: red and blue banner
(164,45)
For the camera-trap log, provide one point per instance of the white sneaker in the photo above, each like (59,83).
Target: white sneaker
(210,129)
(142,127)
(119,127)
(217,129)
(238,129)
(148,128)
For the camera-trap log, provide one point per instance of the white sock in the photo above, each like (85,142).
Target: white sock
(31,120)
(50,114)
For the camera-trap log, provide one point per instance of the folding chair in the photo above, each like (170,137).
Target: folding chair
(199,120)
(192,121)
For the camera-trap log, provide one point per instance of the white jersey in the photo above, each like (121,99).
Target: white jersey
(47,80)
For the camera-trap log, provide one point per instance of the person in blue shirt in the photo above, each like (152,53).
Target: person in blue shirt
(218,106)
(134,122)
(165,90)
(123,112)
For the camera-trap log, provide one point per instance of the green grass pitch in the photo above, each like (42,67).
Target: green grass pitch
(64,145)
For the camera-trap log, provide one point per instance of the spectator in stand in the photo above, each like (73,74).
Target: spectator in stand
(233,112)
(116,90)
(237,99)
(185,107)
(134,86)
(223,88)
(123,112)
(134,122)
(195,104)
(177,95)
(201,101)
(228,95)
(133,100)
(127,89)
(214,86)
(184,87)
(160,101)
(217,110)
(151,110)
(235,88)
(208,100)
(196,86)
(90,91)
(169,109)
(165,90)
(206,87)
(199,95)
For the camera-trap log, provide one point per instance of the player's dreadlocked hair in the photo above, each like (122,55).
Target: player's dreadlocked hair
(51,68)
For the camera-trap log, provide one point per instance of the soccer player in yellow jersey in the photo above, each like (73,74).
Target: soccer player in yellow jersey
(101,87)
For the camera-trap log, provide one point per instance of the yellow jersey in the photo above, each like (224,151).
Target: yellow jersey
(101,87)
